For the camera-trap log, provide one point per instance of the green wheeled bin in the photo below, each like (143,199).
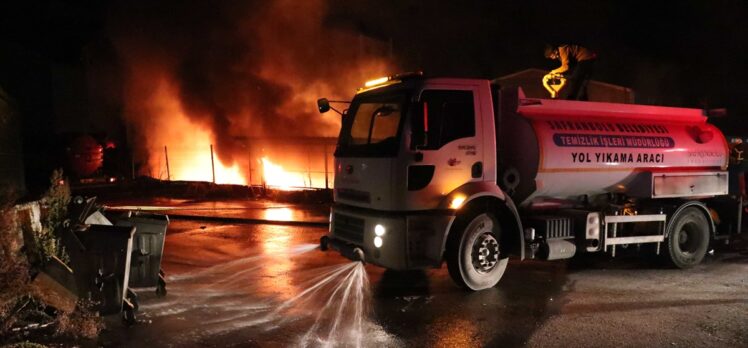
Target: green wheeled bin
(148,249)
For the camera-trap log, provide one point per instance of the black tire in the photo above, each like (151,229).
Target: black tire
(688,238)
(475,258)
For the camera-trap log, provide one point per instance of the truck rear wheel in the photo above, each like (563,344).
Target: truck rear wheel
(474,254)
(688,238)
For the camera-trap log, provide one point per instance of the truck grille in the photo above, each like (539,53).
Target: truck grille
(349,228)
(354,195)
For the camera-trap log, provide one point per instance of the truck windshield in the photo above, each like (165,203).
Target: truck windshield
(372,126)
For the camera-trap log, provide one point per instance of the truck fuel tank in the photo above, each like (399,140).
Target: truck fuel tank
(557,249)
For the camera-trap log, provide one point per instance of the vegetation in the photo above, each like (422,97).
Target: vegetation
(81,323)
(55,201)
(14,269)
(21,307)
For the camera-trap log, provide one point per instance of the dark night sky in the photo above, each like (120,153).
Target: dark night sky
(671,52)
(684,53)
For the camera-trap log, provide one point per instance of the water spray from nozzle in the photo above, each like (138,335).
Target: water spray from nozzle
(358,255)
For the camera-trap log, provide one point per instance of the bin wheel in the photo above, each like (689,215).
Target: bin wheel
(128,310)
(128,317)
(133,298)
(161,287)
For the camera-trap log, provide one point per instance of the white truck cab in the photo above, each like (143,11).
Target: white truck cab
(412,152)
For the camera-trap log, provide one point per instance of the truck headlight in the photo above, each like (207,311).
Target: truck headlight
(379,230)
(378,241)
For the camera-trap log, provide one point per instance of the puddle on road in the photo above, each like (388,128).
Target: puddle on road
(260,297)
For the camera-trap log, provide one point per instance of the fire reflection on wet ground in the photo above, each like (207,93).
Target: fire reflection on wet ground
(276,292)
(269,286)
(239,208)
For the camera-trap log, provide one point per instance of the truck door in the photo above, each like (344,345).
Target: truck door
(445,149)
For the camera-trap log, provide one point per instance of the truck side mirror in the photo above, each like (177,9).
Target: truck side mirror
(323,105)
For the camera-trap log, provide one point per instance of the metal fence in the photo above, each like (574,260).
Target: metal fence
(295,162)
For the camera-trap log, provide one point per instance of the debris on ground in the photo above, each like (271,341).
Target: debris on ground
(64,264)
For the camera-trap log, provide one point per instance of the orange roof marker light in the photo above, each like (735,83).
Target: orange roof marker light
(376,82)
(387,80)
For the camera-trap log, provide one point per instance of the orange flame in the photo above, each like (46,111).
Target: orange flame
(275,176)
(187,145)
(272,52)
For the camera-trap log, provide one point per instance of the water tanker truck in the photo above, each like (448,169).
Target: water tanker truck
(429,170)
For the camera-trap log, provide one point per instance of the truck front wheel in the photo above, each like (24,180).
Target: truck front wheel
(688,238)
(474,254)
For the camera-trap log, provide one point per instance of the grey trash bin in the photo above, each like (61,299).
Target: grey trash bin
(100,256)
(147,250)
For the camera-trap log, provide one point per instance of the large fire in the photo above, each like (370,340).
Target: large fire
(179,148)
(274,176)
(186,153)
(229,98)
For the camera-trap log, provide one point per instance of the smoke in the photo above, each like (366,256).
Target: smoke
(237,68)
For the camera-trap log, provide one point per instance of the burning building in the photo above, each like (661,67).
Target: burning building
(216,92)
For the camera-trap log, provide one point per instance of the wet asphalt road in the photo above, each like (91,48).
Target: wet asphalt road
(248,285)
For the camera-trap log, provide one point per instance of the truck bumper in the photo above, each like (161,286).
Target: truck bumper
(406,240)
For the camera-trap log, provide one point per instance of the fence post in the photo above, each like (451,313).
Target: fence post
(262,176)
(168,171)
(324,150)
(212,164)
(309,165)
(249,163)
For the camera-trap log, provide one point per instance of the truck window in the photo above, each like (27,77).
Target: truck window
(447,115)
(375,122)
(371,128)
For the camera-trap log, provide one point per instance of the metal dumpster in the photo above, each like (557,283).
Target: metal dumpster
(80,208)
(148,249)
(100,256)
